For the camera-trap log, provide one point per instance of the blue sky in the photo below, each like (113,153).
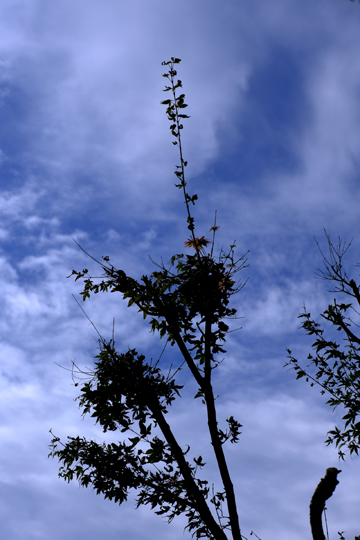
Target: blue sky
(85,152)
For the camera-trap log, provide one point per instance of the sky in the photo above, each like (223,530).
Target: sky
(273,145)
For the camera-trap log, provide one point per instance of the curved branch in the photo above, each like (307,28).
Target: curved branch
(324,490)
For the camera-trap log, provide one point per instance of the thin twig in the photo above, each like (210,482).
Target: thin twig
(88,318)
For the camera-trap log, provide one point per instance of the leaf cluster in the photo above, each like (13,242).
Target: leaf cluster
(195,289)
(125,394)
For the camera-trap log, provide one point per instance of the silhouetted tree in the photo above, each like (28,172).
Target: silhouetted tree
(337,368)
(187,304)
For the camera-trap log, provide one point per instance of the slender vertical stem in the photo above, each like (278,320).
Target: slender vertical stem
(223,468)
(182,162)
(215,440)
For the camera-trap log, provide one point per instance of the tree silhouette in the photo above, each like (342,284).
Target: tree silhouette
(337,370)
(187,303)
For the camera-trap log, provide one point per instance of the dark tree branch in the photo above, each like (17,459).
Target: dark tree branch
(324,490)
(193,491)
(339,320)
(220,458)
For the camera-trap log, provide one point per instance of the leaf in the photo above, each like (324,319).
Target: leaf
(197,242)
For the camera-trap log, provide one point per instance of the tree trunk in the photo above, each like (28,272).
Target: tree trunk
(323,492)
